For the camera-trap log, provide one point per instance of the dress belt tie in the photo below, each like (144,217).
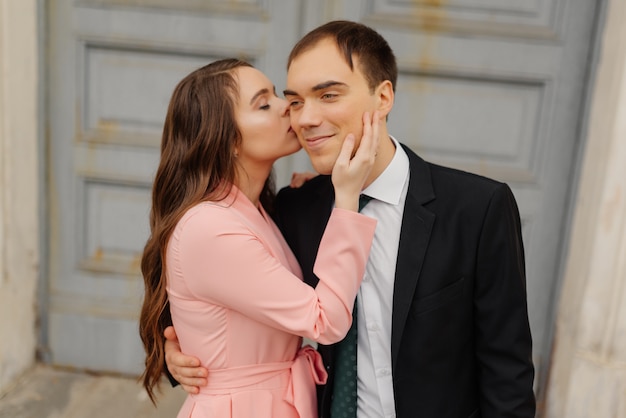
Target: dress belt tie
(301,392)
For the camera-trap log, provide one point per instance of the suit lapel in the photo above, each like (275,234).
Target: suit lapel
(417,223)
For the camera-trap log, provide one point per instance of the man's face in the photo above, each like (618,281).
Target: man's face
(327,101)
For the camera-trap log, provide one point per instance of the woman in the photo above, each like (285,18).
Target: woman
(233,287)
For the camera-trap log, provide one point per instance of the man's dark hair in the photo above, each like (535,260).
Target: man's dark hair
(375,58)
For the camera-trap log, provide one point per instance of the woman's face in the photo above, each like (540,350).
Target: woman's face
(263,120)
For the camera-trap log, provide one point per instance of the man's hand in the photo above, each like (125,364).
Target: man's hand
(185,369)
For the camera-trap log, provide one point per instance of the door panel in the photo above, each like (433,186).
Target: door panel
(113,67)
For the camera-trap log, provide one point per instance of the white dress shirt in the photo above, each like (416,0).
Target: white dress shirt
(375,297)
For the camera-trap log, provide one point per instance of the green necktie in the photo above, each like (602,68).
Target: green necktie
(343,404)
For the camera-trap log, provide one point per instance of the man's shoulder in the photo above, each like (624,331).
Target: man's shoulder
(308,202)
(311,190)
(462,178)
(452,181)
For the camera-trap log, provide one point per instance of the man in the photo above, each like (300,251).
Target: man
(442,322)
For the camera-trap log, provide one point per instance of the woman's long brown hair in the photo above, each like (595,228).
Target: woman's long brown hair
(200,134)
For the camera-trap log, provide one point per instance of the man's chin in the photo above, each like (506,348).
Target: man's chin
(323,164)
(324,169)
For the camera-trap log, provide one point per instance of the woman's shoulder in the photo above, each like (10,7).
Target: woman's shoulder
(206,208)
(206,216)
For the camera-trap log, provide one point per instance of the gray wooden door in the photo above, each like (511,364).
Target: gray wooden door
(113,66)
(490,86)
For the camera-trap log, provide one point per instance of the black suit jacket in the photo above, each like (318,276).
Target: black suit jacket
(460,343)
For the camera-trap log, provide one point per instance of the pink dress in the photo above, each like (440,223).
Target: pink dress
(238,303)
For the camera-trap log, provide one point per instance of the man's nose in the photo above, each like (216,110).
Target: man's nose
(308,115)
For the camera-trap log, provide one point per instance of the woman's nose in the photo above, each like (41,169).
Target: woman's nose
(285,109)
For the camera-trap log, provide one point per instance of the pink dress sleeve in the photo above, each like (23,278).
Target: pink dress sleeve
(222,261)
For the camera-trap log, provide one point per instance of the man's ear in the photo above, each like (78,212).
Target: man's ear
(385,95)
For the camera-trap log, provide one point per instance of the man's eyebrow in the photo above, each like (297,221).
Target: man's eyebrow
(317,87)
(327,84)
(259,93)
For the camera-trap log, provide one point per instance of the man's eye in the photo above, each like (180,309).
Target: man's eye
(329,96)
(294,103)
(265,107)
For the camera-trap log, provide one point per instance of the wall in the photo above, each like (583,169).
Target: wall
(19,228)
(588,372)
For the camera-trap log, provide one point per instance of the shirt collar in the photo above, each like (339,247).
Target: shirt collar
(388,186)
